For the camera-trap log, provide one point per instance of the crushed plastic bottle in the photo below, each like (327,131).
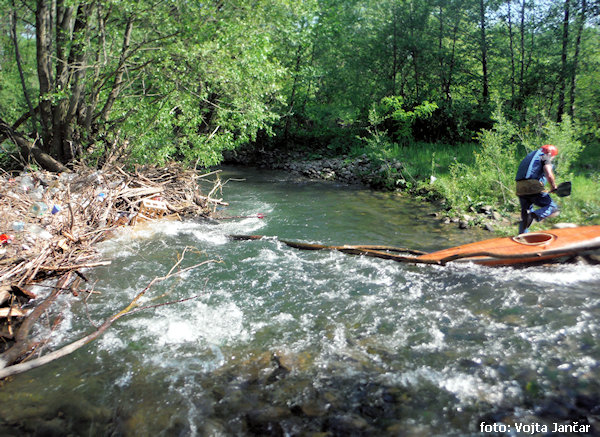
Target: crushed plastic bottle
(38,208)
(37,193)
(18,226)
(26,183)
(38,231)
(66,177)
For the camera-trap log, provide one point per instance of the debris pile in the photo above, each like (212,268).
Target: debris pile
(49,223)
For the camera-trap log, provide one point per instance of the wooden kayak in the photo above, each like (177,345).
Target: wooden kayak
(530,248)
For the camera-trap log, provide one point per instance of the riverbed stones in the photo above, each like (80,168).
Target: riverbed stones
(359,170)
(267,420)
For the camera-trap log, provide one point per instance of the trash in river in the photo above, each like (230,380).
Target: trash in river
(18,226)
(38,208)
(58,218)
(6,239)
(37,193)
(38,231)
(153,210)
(26,183)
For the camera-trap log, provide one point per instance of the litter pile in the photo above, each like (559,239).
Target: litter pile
(49,223)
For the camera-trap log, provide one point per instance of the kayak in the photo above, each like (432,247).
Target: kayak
(530,248)
(524,249)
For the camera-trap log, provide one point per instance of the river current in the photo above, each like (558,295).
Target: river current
(281,341)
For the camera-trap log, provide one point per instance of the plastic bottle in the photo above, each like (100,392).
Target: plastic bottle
(26,183)
(38,231)
(38,208)
(37,193)
(18,226)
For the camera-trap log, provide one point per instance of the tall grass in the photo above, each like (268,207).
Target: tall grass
(471,175)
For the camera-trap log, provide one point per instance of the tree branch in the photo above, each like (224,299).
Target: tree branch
(130,308)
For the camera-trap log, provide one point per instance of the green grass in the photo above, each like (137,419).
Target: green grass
(423,160)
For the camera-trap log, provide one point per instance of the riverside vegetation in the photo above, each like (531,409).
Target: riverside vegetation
(472,182)
(437,101)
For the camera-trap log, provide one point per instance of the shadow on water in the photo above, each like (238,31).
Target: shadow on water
(286,342)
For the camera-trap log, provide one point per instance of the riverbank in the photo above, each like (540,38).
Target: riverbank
(50,225)
(283,341)
(389,175)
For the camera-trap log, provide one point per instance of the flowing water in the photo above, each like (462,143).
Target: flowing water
(280,341)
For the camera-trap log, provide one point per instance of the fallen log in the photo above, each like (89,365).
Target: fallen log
(377,251)
(22,342)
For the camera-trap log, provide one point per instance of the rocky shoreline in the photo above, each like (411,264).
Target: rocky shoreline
(386,176)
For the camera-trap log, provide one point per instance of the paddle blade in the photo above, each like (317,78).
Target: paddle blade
(563,189)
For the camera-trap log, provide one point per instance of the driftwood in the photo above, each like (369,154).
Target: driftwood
(54,221)
(6,371)
(378,251)
(22,343)
(395,253)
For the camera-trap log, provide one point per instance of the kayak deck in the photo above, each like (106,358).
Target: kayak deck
(527,248)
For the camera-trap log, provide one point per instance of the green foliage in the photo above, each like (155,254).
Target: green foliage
(490,178)
(202,77)
(391,108)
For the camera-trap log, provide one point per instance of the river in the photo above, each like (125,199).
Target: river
(280,341)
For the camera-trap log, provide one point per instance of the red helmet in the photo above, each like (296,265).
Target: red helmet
(550,149)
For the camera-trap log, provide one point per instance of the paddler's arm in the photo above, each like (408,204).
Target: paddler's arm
(550,176)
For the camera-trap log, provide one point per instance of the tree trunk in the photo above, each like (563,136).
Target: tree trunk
(451,63)
(485,82)
(440,50)
(117,84)
(522,58)
(582,16)
(64,16)
(29,150)
(512,52)
(44,68)
(13,34)
(292,102)
(563,62)
(395,56)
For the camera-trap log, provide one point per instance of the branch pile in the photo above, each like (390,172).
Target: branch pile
(50,223)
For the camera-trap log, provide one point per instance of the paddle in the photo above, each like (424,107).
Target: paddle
(563,189)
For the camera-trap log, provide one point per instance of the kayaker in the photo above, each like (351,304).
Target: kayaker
(534,171)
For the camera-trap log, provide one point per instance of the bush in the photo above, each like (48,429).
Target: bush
(490,179)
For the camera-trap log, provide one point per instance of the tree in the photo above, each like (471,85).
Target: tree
(580,26)
(563,62)
(485,93)
(179,79)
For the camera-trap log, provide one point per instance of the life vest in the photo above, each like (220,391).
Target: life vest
(532,166)
(530,174)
